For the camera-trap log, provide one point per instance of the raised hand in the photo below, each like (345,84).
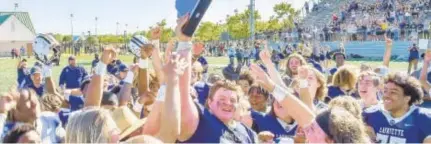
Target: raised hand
(303,73)
(168,51)
(7,102)
(261,77)
(178,30)
(156,33)
(109,54)
(174,67)
(388,41)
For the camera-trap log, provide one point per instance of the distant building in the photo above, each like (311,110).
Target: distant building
(16,31)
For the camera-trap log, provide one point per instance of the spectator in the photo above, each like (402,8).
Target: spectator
(413,58)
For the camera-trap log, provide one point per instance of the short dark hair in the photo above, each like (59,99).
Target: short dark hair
(259,90)
(18,131)
(338,53)
(410,85)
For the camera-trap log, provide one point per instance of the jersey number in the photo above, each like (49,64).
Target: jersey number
(381,138)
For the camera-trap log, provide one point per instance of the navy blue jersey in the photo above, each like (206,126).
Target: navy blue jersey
(211,130)
(315,65)
(76,102)
(22,75)
(203,62)
(332,71)
(64,116)
(413,127)
(39,91)
(281,130)
(72,77)
(202,89)
(335,91)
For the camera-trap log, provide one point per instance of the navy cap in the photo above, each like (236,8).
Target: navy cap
(122,68)
(35,70)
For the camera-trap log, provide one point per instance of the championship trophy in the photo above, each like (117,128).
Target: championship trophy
(42,46)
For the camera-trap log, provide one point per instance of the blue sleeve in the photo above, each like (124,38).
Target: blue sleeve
(84,73)
(425,121)
(204,62)
(63,77)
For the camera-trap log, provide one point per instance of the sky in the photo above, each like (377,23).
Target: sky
(53,16)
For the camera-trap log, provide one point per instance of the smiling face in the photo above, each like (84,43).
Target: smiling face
(293,65)
(223,104)
(366,87)
(394,98)
(257,100)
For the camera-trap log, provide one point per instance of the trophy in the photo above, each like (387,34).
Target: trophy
(42,46)
(139,44)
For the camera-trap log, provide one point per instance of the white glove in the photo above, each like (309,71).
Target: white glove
(100,69)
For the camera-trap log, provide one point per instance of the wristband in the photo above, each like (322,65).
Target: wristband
(100,69)
(129,77)
(143,63)
(47,72)
(184,46)
(278,93)
(161,93)
(303,83)
(156,43)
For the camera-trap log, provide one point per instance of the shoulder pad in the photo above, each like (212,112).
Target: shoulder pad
(373,109)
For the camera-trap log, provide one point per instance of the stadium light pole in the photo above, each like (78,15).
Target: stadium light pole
(252,24)
(118,24)
(71,32)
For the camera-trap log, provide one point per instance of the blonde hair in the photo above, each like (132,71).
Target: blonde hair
(51,102)
(321,91)
(345,77)
(345,127)
(349,103)
(90,126)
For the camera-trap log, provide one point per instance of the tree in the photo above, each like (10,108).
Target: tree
(238,25)
(208,31)
(286,14)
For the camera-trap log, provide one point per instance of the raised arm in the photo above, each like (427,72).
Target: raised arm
(157,61)
(189,112)
(297,109)
(273,73)
(95,88)
(388,51)
(424,72)
(171,111)
(49,85)
(125,95)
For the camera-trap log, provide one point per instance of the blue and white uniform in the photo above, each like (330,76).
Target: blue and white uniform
(413,127)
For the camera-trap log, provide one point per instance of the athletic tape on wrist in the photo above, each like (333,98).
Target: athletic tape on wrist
(100,69)
(303,83)
(184,46)
(143,63)
(278,93)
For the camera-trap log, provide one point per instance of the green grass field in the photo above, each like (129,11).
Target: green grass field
(8,71)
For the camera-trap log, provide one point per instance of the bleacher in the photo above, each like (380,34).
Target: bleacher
(373,50)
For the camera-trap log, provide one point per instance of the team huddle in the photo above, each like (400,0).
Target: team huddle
(176,100)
